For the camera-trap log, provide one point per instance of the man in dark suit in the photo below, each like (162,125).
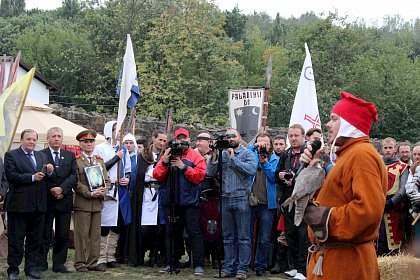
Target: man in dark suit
(26,203)
(59,201)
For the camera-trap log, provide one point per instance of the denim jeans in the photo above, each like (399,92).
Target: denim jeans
(236,215)
(265,217)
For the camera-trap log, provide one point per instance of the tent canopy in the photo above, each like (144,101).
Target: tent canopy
(38,117)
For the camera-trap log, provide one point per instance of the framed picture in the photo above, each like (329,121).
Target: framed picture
(95,177)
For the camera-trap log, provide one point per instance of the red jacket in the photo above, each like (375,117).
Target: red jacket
(187,180)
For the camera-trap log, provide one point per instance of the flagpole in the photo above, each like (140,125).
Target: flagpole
(264,122)
(267,91)
(119,164)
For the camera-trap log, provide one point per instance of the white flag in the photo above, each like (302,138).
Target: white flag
(305,109)
(128,81)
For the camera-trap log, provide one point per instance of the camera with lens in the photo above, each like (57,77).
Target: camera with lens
(177,149)
(289,175)
(262,151)
(221,142)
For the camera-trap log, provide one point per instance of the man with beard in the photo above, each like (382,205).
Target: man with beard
(238,165)
(404,153)
(390,233)
(148,226)
(296,236)
(351,198)
(413,192)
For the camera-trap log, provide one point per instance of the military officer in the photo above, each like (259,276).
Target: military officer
(88,205)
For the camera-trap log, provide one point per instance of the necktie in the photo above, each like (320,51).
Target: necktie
(57,159)
(31,157)
(90,160)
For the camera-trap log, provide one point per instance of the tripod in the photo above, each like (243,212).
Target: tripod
(220,171)
(173,218)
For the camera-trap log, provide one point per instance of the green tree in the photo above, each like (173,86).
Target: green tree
(11,8)
(235,24)
(189,63)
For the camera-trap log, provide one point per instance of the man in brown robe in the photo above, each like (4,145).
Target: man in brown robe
(352,198)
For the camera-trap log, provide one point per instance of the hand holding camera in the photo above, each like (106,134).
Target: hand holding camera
(177,162)
(167,155)
(287,176)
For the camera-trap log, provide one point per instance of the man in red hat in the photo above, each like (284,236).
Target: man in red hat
(187,171)
(352,198)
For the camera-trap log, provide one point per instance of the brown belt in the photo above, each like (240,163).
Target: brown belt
(336,244)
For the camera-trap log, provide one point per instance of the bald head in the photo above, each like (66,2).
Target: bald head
(416,153)
(203,143)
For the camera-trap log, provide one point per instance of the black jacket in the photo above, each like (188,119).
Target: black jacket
(286,163)
(24,195)
(65,176)
(4,185)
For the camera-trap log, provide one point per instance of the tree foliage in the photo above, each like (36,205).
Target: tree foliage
(189,53)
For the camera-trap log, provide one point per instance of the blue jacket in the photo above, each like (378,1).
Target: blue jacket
(269,169)
(237,172)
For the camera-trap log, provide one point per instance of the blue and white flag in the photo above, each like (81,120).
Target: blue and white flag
(128,87)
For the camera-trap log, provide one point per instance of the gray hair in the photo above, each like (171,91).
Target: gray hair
(53,129)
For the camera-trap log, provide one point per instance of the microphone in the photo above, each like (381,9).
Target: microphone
(316,145)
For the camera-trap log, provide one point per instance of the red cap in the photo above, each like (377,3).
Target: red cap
(359,113)
(180,131)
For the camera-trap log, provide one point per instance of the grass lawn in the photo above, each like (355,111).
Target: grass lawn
(123,273)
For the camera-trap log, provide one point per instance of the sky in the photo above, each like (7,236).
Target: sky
(372,11)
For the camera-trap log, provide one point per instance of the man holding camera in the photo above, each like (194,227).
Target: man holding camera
(182,170)
(238,165)
(296,236)
(264,188)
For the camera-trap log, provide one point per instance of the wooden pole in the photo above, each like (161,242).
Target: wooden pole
(264,121)
(119,163)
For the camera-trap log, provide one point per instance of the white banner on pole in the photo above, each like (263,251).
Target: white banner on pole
(305,109)
(246,111)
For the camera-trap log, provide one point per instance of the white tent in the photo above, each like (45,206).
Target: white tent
(38,117)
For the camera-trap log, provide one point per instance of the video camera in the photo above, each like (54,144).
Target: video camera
(221,141)
(177,149)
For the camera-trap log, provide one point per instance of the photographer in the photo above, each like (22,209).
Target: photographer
(188,171)
(238,166)
(296,236)
(264,188)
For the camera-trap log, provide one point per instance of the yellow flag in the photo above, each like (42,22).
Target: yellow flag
(11,105)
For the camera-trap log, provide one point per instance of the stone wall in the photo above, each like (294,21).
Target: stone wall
(146,126)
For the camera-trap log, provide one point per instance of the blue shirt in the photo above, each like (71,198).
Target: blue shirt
(237,172)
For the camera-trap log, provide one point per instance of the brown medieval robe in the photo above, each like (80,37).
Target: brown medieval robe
(355,188)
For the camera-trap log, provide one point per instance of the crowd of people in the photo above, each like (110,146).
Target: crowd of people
(162,202)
